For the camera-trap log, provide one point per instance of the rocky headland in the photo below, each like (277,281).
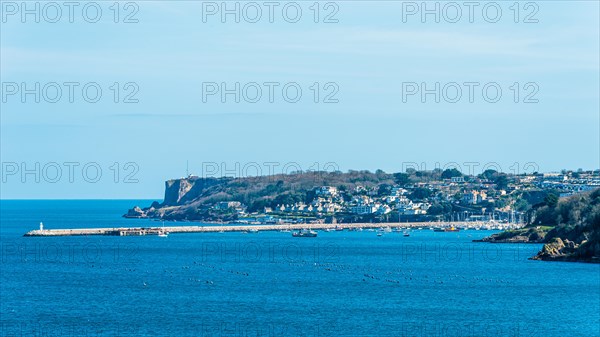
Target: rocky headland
(569,228)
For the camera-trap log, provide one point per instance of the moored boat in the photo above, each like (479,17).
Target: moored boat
(162,233)
(304,233)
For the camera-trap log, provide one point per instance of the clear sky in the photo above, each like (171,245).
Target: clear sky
(370,60)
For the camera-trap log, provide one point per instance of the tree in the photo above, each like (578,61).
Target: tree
(435,209)
(450,173)
(489,174)
(384,189)
(501,202)
(259,205)
(501,182)
(522,205)
(310,196)
(420,193)
(401,178)
(551,200)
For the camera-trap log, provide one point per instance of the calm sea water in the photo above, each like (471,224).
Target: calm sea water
(271,284)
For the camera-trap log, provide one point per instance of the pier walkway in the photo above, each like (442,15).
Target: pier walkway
(140,231)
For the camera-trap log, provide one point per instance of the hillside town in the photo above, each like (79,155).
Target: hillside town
(449,196)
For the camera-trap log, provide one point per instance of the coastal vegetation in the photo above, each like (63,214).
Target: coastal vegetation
(443,195)
(568,227)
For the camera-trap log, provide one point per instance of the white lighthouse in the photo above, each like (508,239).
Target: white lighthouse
(41,226)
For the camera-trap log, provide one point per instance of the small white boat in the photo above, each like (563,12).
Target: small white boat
(162,233)
(305,233)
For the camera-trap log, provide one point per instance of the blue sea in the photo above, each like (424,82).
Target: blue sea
(271,284)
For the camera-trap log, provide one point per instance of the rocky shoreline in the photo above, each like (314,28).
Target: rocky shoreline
(554,249)
(565,251)
(568,227)
(523,235)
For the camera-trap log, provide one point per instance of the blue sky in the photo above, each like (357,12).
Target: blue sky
(366,56)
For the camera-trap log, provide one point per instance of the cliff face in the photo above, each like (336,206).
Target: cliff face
(175,190)
(179,194)
(180,191)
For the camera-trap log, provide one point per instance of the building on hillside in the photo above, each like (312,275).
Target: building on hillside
(482,196)
(328,191)
(363,209)
(384,209)
(397,191)
(474,197)
(470,197)
(226,205)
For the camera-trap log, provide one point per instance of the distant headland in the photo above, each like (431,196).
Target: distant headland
(539,202)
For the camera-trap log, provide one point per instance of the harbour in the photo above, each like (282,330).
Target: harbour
(119,280)
(143,231)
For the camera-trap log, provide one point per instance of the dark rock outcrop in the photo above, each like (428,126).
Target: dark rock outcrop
(135,212)
(535,234)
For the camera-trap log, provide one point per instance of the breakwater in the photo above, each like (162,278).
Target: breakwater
(141,231)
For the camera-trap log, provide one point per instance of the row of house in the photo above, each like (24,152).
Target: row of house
(367,200)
